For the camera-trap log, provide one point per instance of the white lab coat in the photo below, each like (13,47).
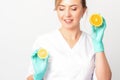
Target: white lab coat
(65,63)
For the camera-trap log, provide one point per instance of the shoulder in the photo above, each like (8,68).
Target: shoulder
(43,40)
(87,39)
(87,36)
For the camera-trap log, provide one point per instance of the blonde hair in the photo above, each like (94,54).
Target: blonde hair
(57,2)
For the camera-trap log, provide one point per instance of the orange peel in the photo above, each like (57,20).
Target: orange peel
(42,53)
(96,20)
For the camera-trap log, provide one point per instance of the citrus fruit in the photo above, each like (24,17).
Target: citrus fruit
(42,53)
(96,20)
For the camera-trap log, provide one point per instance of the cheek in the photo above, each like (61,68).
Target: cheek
(78,15)
(59,15)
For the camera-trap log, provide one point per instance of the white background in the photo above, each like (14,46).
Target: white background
(21,21)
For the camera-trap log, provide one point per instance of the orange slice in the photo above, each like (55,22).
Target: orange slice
(42,53)
(96,20)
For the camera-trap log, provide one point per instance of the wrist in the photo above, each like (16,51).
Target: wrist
(37,77)
(98,47)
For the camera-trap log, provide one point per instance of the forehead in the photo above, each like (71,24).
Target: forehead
(70,2)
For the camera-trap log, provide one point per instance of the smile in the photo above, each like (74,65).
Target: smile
(68,21)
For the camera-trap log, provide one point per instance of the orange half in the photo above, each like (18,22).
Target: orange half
(96,20)
(42,53)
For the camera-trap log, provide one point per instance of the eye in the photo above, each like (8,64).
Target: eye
(61,8)
(74,8)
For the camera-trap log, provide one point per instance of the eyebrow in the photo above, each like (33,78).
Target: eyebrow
(70,5)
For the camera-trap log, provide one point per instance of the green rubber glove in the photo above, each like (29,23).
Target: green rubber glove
(97,36)
(39,65)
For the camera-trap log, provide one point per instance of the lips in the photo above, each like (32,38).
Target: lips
(68,21)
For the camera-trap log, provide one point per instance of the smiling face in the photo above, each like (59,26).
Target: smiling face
(70,12)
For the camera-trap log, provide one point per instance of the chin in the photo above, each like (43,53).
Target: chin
(69,27)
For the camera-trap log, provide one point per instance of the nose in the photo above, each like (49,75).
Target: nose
(67,13)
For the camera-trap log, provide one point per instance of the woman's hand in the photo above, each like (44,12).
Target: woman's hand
(39,65)
(97,36)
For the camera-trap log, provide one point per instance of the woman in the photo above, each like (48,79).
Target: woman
(73,54)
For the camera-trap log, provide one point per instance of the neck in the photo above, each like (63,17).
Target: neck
(72,34)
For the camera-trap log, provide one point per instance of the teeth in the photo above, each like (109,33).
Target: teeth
(68,21)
